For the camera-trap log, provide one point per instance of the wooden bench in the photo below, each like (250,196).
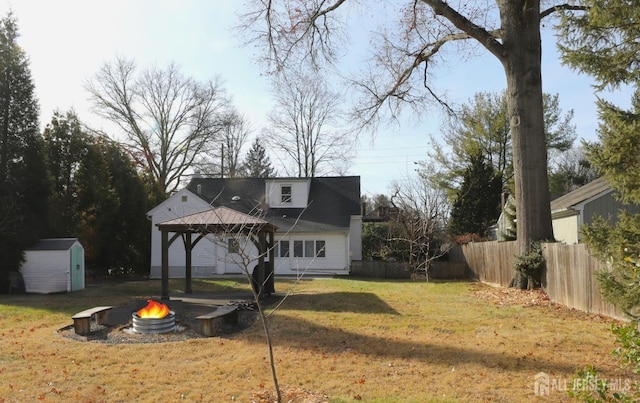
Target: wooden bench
(82,320)
(229,313)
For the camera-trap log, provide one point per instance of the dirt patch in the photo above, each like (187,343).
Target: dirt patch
(295,395)
(513,296)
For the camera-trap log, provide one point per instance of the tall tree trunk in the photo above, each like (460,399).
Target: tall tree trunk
(522,63)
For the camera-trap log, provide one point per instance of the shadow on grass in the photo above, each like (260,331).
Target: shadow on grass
(119,293)
(305,335)
(355,302)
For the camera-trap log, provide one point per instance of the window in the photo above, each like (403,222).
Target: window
(232,245)
(297,249)
(320,249)
(184,198)
(283,249)
(286,194)
(309,249)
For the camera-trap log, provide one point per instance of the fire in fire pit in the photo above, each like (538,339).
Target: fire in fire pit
(154,318)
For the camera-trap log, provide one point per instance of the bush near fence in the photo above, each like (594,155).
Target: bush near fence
(569,277)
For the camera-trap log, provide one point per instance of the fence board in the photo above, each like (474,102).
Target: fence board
(569,277)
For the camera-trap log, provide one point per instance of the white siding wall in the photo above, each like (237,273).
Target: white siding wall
(46,271)
(355,237)
(335,262)
(203,260)
(299,193)
(210,255)
(566,229)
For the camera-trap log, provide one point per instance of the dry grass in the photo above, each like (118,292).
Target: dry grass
(380,341)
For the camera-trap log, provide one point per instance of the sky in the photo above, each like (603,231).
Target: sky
(68,40)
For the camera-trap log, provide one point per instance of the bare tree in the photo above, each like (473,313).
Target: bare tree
(226,159)
(296,31)
(306,126)
(170,122)
(418,228)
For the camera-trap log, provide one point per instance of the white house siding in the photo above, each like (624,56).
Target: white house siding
(566,229)
(355,237)
(47,271)
(203,260)
(335,262)
(299,192)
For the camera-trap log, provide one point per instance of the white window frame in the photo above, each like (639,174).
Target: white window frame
(286,198)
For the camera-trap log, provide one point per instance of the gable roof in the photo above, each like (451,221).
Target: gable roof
(582,194)
(221,217)
(332,201)
(53,244)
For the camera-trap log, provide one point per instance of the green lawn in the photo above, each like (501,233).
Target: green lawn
(349,339)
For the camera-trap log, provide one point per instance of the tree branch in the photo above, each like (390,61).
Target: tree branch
(488,39)
(562,7)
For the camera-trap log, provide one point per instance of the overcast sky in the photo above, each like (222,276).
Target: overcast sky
(67,40)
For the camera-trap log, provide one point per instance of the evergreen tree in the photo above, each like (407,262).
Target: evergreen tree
(97,196)
(603,41)
(477,204)
(618,158)
(65,144)
(257,163)
(482,126)
(23,178)
(128,243)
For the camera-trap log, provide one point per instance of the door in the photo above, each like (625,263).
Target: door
(77,268)
(232,259)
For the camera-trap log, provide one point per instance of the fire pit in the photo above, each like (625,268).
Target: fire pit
(155,318)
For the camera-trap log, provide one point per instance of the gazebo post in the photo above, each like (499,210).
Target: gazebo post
(165,265)
(270,286)
(261,270)
(188,247)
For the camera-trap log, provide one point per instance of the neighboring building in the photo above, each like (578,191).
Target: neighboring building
(571,211)
(54,265)
(318,220)
(575,209)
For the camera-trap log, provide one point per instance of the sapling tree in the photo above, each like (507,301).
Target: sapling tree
(252,246)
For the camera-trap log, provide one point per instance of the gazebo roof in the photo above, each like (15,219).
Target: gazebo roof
(216,219)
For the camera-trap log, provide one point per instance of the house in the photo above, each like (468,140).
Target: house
(54,265)
(571,211)
(318,221)
(574,209)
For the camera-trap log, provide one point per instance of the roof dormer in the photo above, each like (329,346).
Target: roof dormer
(287,193)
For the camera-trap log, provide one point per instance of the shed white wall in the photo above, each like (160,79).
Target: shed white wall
(47,271)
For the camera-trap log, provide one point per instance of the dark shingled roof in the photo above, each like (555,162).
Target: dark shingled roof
(580,195)
(53,244)
(332,201)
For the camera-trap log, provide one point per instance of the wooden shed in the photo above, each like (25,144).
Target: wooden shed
(54,265)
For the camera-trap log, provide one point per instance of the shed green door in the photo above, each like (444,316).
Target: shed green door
(77,268)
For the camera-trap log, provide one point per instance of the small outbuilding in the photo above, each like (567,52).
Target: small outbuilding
(54,265)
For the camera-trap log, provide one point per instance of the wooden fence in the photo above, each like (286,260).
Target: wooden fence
(569,278)
(397,270)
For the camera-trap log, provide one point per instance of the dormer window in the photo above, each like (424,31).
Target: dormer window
(286,194)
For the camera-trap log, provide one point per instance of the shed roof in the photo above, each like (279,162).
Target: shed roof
(53,244)
(583,193)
